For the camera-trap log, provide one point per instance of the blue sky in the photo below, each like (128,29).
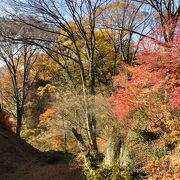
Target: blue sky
(3,7)
(1,63)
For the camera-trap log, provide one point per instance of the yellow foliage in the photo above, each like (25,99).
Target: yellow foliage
(44,89)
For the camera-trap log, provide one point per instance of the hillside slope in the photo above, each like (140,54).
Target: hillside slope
(18,160)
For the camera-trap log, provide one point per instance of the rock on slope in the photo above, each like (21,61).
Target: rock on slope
(18,160)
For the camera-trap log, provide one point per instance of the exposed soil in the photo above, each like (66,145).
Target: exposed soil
(20,161)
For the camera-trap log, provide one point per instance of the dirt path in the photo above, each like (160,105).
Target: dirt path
(20,161)
(36,171)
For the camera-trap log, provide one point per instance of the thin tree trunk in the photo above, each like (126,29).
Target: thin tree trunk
(80,140)
(19,122)
(115,62)
(92,132)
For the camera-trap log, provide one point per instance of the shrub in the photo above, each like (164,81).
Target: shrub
(105,172)
(162,170)
(5,122)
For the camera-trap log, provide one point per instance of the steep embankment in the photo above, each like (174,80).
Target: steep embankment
(18,160)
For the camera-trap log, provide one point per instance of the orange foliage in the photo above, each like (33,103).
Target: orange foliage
(56,141)
(161,171)
(47,114)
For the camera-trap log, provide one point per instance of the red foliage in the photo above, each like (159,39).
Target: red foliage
(121,100)
(175,97)
(4,121)
(155,70)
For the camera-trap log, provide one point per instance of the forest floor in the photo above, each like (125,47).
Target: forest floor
(19,161)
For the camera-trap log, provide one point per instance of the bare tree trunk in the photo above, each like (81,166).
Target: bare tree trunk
(80,140)
(116,151)
(115,61)
(92,78)
(92,132)
(113,150)
(19,122)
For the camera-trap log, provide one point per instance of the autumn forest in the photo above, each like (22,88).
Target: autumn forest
(91,83)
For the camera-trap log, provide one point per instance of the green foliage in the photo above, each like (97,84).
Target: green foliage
(104,172)
(160,152)
(36,138)
(144,135)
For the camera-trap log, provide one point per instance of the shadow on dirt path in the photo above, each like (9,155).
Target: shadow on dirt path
(20,161)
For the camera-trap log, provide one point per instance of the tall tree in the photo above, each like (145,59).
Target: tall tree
(126,23)
(18,59)
(73,22)
(168,12)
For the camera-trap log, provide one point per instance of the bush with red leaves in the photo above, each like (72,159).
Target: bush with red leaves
(154,71)
(4,121)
